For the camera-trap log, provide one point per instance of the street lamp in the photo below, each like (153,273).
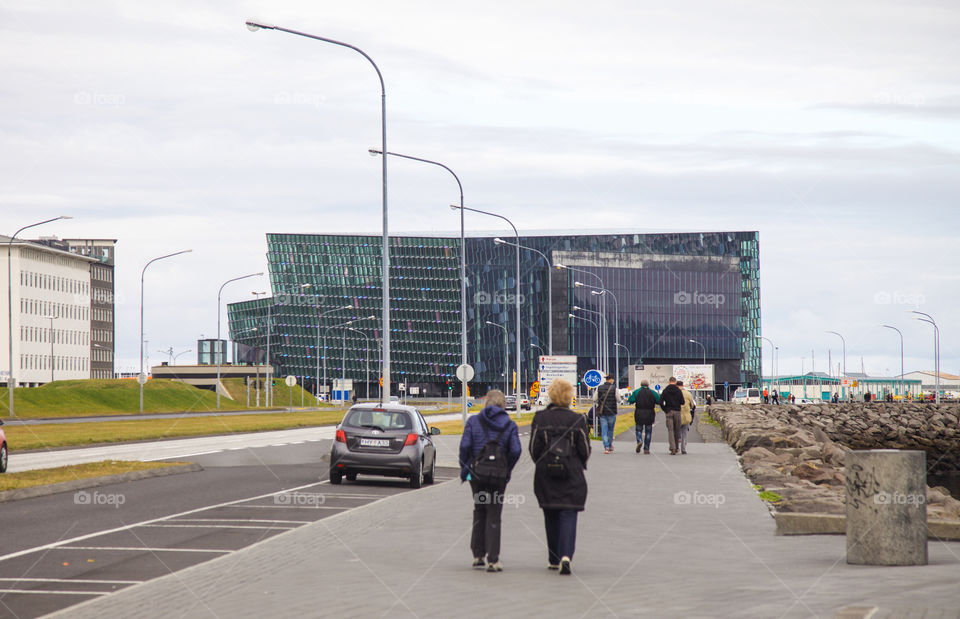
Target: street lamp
(594,323)
(506,355)
(601,319)
(219,360)
(51,345)
(704,350)
(616,319)
(317,355)
(903,393)
(603,349)
(343,324)
(936,350)
(773,368)
(517,282)
(844,351)
(366,360)
(463,270)
(11,379)
(619,345)
(532,345)
(549,290)
(385,268)
(142,378)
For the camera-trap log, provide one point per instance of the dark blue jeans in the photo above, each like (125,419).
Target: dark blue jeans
(644,435)
(561,526)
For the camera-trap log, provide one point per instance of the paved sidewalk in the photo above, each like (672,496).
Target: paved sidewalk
(662,536)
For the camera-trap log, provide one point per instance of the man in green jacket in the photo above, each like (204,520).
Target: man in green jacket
(644,414)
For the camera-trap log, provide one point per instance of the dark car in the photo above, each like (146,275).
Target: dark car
(390,440)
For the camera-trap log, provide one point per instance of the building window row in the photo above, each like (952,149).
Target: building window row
(60,336)
(42,362)
(45,281)
(39,307)
(101,335)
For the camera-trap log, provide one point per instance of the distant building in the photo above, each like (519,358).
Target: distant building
(102,302)
(949,383)
(50,298)
(671,288)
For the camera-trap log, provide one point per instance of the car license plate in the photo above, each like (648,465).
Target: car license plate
(374,442)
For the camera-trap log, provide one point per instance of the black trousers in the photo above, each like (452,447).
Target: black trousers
(487,511)
(561,526)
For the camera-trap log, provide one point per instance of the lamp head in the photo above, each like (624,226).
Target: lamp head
(571,315)
(253,26)
(374,152)
(65,217)
(597,292)
(577,284)
(577,308)
(499,241)
(694,341)
(560,266)
(455,207)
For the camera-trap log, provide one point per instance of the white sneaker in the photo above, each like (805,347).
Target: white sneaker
(565,565)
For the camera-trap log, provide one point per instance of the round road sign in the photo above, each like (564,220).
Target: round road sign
(142,379)
(291,380)
(592,378)
(465,372)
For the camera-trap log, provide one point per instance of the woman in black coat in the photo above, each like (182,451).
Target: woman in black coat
(560,447)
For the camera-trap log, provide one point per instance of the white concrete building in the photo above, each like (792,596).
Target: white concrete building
(50,296)
(949,383)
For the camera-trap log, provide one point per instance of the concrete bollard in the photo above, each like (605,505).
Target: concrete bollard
(886,507)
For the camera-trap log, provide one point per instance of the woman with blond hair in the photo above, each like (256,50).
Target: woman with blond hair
(560,447)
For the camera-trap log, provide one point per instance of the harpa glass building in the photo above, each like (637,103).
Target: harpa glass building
(671,288)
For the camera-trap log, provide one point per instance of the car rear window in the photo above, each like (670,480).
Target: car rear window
(385,420)
(754,393)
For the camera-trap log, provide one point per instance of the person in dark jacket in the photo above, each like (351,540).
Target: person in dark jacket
(560,447)
(671,400)
(644,414)
(607,409)
(487,425)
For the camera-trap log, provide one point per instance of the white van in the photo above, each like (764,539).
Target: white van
(748,396)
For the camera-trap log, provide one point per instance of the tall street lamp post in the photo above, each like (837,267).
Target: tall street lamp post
(142,378)
(844,343)
(317,355)
(773,369)
(339,326)
(517,282)
(549,290)
(903,393)
(366,361)
(219,359)
(601,319)
(603,350)
(596,326)
(385,268)
(619,345)
(704,350)
(600,292)
(506,355)
(936,350)
(463,270)
(11,378)
(51,345)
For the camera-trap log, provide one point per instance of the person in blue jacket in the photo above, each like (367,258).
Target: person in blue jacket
(485,426)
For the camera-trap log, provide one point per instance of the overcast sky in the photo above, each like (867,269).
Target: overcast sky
(832,128)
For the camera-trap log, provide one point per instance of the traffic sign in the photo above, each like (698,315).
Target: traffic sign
(657,388)
(142,379)
(593,378)
(291,380)
(726,384)
(465,372)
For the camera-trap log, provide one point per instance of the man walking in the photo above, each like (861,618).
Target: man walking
(671,400)
(644,414)
(607,409)
(686,416)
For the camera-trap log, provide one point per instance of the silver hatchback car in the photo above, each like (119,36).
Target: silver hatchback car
(390,440)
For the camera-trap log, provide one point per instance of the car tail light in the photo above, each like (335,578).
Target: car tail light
(341,436)
(411,439)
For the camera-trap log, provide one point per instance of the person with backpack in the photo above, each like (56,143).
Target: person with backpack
(644,414)
(686,417)
(489,449)
(560,447)
(671,401)
(607,411)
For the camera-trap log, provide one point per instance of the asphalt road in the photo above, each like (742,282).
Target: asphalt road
(62,549)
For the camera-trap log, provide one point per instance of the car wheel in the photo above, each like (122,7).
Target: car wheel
(429,477)
(351,477)
(336,478)
(416,476)
(3,458)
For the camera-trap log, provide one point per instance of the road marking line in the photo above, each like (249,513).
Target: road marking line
(141,549)
(78,580)
(199,453)
(294,507)
(35,592)
(213,526)
(241,520)
(127,527)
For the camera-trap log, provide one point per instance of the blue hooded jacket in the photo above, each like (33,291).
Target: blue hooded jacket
(475,437)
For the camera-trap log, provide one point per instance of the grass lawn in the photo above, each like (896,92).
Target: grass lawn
(63,435)
(84,398)
(43,477)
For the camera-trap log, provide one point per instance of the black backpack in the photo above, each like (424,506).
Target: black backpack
(491,468)
(557,459)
